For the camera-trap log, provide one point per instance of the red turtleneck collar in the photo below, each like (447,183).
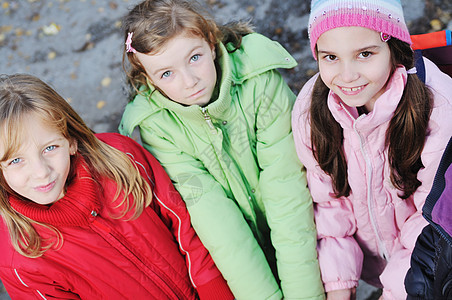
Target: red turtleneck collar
(74,209)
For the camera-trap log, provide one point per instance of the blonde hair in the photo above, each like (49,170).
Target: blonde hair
(22,95)
(155,22)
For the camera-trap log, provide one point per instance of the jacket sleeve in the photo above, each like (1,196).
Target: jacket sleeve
(420,277)
(282,182)
(21,284)
(203,273)
(340,256)
(214,217)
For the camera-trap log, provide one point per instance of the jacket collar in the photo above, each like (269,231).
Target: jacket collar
(383,110)
(74,209)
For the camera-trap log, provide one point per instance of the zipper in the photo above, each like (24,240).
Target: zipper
(208,120)
(373,221)
(370,202)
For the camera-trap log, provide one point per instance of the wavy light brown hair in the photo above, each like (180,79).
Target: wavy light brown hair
(405,136)
(22,95)
(155,22)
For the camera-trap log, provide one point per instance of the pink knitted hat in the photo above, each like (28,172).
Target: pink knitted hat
(384,16)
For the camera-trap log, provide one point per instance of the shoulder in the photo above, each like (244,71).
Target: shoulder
(118,141)
(438,82)
(135,112)
(258,54)
(143,159)
(440,127)
(128,146)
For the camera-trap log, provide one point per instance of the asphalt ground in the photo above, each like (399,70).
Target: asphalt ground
(76,46)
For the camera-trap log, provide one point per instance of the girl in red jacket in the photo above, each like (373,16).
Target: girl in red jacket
(89,217)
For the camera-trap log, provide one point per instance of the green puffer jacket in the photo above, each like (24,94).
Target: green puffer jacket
(234,163)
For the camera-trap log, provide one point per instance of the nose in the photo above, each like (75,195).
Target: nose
(189,77)
(349,72)
(40,168)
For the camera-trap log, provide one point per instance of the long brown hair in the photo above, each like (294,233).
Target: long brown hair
(154,22)
(22,95)
(405,136)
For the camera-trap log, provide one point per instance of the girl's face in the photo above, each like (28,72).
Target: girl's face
(39,169)
(355,64)
(184,69)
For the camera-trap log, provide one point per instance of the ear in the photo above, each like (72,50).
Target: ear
(73,147)
(214,53)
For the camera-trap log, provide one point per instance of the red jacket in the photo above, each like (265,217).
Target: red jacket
(156,256)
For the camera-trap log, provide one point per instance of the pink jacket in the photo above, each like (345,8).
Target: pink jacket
(371,234)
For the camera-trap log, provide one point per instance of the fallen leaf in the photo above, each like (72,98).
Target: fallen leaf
(278,31)
(436,24)
(51,29)
(106,81)
(101,104)
(36,17)
(6,28)
(51,55)
(19,32)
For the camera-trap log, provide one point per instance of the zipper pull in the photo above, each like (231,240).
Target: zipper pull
(208,120)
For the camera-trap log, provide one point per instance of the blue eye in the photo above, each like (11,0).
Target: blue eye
(167,74)
(14,161)
(195,58)
(50,148)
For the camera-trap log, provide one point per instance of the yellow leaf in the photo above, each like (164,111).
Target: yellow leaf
(6,28)
(106,81)
(52,29)
(19,31)
(435,24)
(51,55)
(101,104)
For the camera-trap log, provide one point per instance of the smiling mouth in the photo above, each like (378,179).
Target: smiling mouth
(45,188)
(352,90)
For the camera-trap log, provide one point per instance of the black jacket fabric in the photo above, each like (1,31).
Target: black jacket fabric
(430,275)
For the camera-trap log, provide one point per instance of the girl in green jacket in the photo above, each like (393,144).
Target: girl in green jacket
(213,109)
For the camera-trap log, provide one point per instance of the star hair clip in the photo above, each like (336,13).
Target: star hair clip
(128,43)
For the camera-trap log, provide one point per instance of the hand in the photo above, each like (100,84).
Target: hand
(346,294)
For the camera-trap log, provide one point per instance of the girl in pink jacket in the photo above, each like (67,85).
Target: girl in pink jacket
(86,216)
(371,136)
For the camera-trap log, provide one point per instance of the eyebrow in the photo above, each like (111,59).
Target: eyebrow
(367,48)
(169,67)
